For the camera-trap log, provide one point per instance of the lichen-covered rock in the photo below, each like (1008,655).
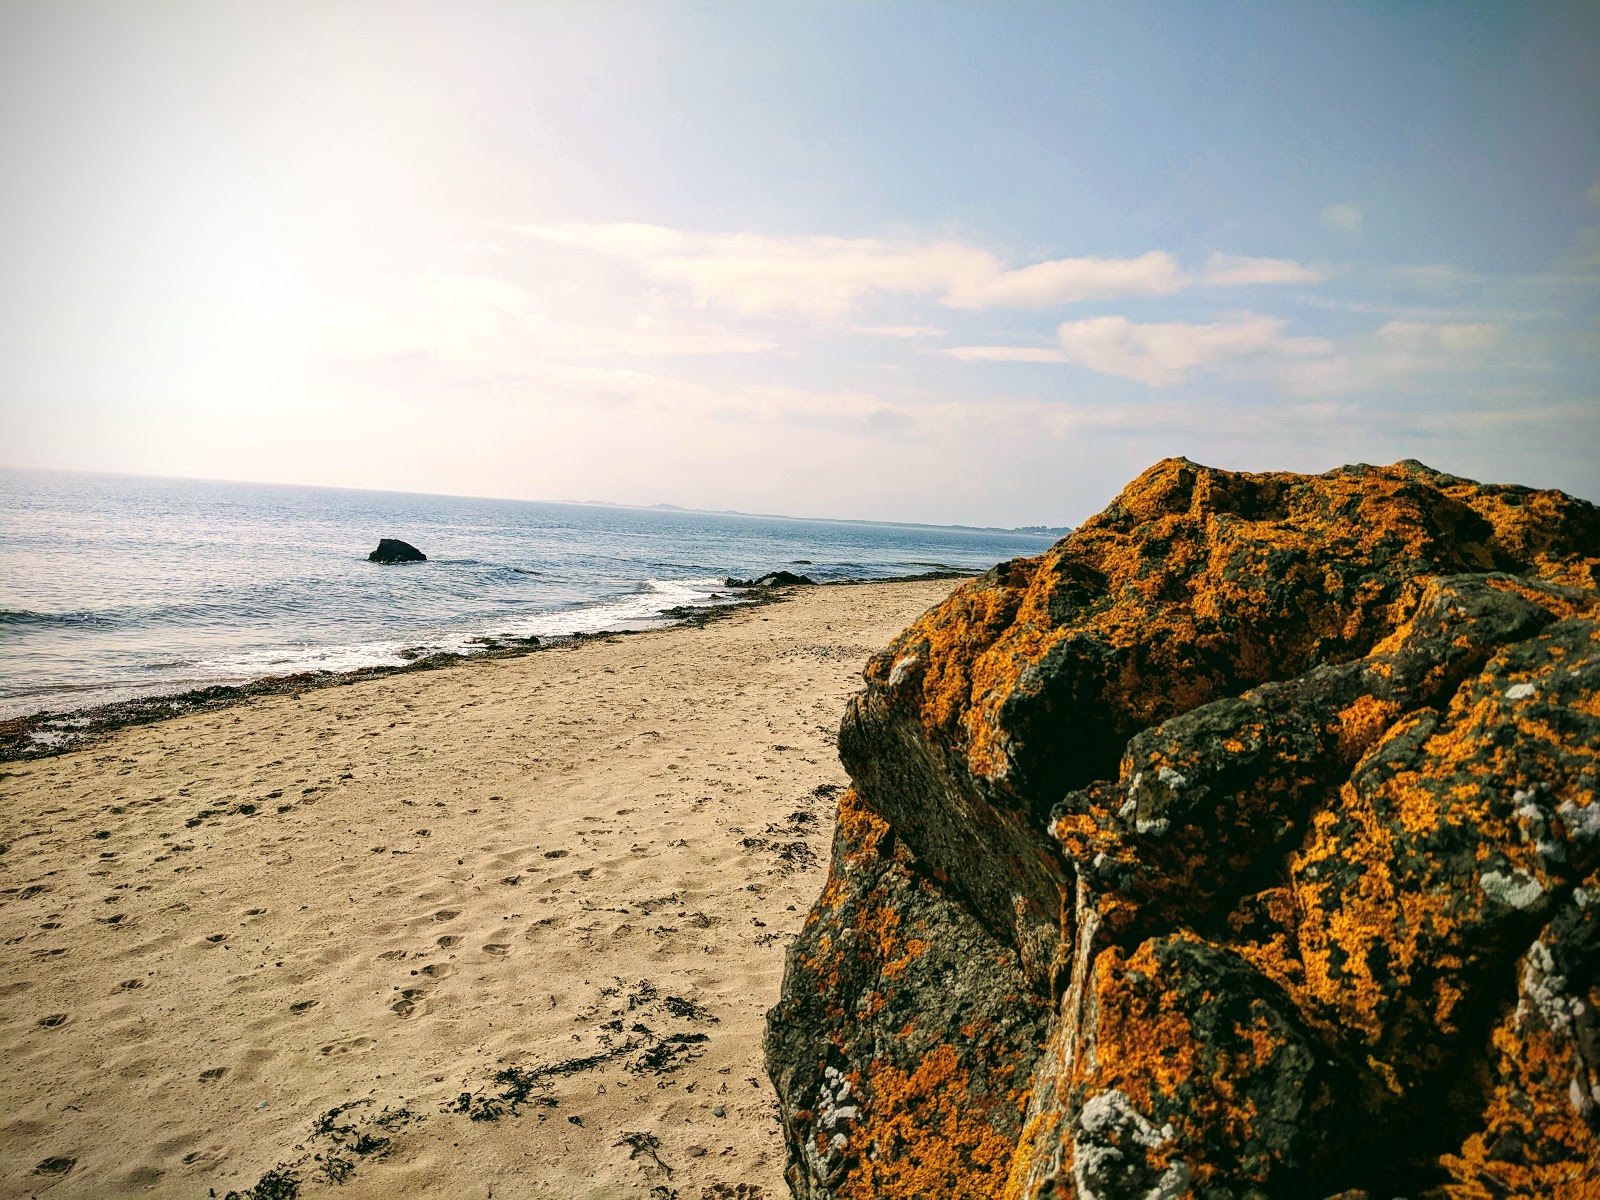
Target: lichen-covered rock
(1244,844)
(889,959)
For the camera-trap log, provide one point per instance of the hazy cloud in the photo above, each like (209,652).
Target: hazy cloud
(1064,280)
(824,277)
(1395,356)
(1227,270)
(1439,337)
(1343,216)
(1168,353)
(1033,354)
(896,331)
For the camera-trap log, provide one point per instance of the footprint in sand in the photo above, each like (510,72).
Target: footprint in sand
(438,970)
(55,1166)
(411,1004)
(130,985)
(446,914)
(497,948)
(54,1020)
(391,955)
(447,941)
(304,1006)
(214,1074)
(349,1046)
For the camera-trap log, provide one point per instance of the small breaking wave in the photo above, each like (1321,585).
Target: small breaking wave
(23,616)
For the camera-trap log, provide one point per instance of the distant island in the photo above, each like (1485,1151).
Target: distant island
(1054,531)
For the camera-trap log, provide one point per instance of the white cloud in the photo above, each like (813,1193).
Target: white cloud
(1227,270)
(825,277)
(1343,216)
(1168,353)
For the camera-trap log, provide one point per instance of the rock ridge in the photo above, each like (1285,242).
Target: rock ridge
(1244,844)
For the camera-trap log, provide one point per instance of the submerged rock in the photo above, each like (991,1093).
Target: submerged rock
(392,550)
(1246,843)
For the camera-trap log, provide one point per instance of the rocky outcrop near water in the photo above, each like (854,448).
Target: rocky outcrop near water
(393,550)
(1245,844)
(776,579)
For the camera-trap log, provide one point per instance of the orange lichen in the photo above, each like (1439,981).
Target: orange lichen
(1360,724)
(1303,911)
(929,1133)
(1171,574)
(1530,1104)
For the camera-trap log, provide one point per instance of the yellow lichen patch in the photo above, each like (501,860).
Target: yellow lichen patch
(927,1133)
(1203,583)
(1531,1106)
(859,826)
(1561,604)
(1415,854)
(877,934)
(1361,723)
(1148,1047)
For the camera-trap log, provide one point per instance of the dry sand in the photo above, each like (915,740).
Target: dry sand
(219,928)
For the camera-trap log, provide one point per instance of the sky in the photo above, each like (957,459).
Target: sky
(977,263)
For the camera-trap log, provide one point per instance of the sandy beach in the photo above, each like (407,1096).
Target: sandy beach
(504,929)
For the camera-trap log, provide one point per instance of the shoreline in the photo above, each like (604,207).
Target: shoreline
(511,928)
(54,731)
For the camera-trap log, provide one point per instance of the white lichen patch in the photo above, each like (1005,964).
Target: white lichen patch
(832,1110)
(1583,823)
(1106,1158)
(1516,889)
(1173,779)
(1520,691)
(904,670)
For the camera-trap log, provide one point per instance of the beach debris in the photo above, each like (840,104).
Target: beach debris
(349,1136)
(644,1143)
(280,1183)
(393,550)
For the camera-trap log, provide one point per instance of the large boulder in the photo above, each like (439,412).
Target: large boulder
(392,550)
(1246,843)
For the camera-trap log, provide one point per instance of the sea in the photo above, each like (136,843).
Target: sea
(117,587)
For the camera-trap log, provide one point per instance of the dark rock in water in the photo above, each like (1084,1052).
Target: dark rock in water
(775,580)
(392,550)
(1245,843)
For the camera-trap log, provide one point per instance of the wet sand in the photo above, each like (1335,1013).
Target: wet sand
(507,928)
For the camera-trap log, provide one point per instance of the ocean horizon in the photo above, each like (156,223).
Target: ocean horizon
(117,587)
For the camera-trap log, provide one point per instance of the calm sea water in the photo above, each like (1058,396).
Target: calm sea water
(113,587)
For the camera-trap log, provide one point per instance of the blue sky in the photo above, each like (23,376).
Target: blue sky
(975,263)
